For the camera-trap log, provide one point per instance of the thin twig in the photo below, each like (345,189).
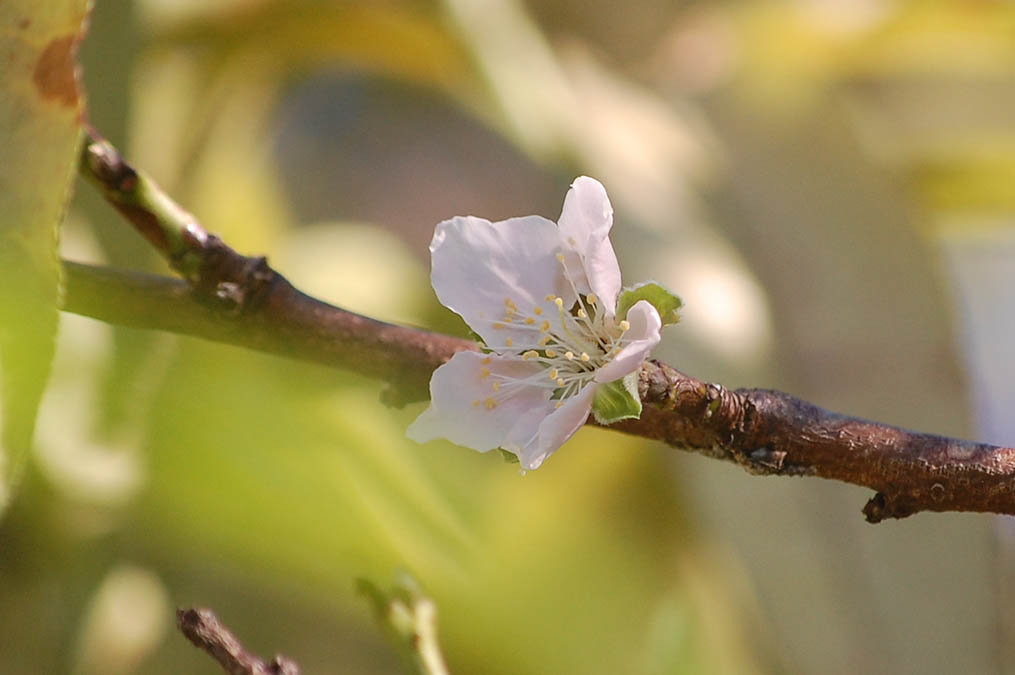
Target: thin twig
(204,630)
(239,300)
(409,617)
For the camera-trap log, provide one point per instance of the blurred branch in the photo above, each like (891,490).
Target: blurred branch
(239,300)
(410,619)
(204,630)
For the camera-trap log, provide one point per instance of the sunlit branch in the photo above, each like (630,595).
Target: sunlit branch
(239,300)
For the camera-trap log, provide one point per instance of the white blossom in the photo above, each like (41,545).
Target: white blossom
(543,298)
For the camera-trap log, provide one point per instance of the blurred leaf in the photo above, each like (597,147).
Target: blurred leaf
(273,41)
(40,112)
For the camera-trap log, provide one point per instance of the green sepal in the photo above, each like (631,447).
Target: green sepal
(666,303)
(508,456)
(617,400)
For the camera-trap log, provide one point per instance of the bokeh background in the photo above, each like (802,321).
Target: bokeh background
(828,184)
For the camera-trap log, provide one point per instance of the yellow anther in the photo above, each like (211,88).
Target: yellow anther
(582,314)
(560,257)
(496,386)
(498,326)
(531,354)
(568,355)
(490,404)
(559,302)
(484,373)
(558,404)
(529,321)
(537,310)
(486,361)
(625,325)
(508,342)
(590,298)
(545,341)
(476,403)
(545,326)
(553,374)
(550,298)
(550,353)
(508,302)
(560,381)
(571,241)
(585,356)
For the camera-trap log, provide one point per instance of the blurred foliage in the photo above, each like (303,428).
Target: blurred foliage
(785,167)
(40,109)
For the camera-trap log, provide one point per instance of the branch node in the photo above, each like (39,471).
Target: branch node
(876,508)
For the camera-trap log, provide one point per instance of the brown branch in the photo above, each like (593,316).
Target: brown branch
(239,300)
(205,631)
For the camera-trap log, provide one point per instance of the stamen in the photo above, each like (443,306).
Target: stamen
(559,302)
(560,257)
(553,374)
(625,325)
(496,386)
(484,373)
(546,340)
(571,241)
(590,298)
(550,353)
(531,354)
(569,355)
(508,342)
(529,321)
(537,310)
(560,381)
(499,326)
(486,361)
(582,314)
(490,404)
(476,403)
(549,298)
(585,356)
(558,404)
(545,326)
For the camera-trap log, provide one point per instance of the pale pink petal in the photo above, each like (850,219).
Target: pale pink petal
(643,335)
(585,223)
(476,266)
(456,387)
(526,429)
(557,427)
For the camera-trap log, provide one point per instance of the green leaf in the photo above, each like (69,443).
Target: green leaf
(617,400)
(509,457)
(40,113)
(666,303)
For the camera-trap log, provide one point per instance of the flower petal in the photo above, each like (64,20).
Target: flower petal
(466,379)
(641,337)
(477,265)
(585,223)
(557,427)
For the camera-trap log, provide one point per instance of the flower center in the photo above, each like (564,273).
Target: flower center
(570,343)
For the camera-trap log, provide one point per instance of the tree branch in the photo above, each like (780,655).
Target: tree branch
(239,300)
(205,631)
